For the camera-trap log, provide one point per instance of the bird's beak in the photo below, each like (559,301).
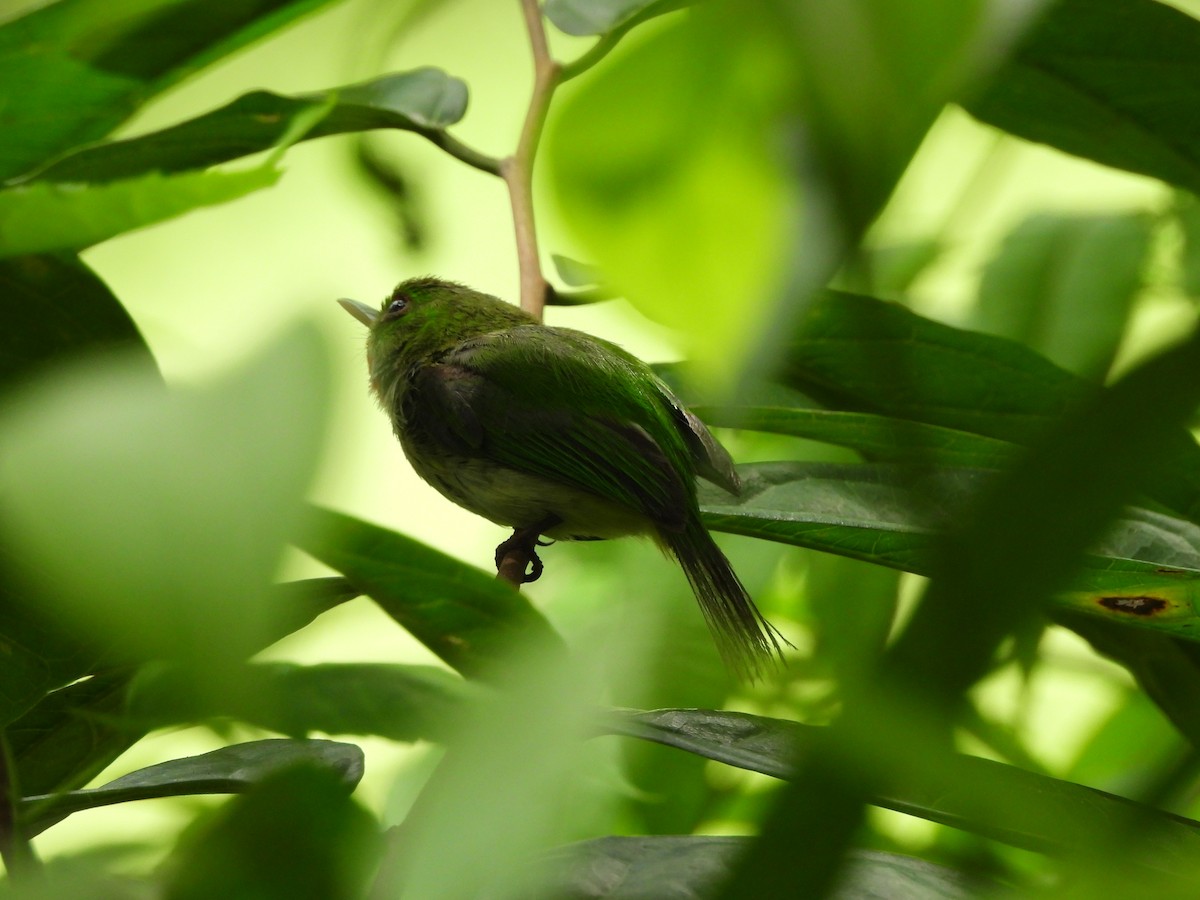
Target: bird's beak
(360,311)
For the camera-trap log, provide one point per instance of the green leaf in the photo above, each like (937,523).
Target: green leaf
(663,163)
(55,307)
(875,437)
(87,65)
(297,835)
(1145,570)
(42,216)
(119,496)
(423,100)
(584,17)
(71,735)
(574,273)
(1065,285)
(1093,84)
(686,866)
(401,703)
(76,731)
(858,353)
(230,770)
(861,354)
(1187,211)
(462,614)
(894,267)
(1020,808)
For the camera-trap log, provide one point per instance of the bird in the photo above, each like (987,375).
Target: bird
(554,432)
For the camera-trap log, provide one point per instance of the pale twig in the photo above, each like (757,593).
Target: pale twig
(517,170)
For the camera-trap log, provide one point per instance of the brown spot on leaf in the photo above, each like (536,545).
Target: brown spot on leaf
(1134,606)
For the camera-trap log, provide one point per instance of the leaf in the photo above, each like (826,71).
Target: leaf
(230,770)
(1023,809)
(1094,85)
(584,17)
(297,835)
(119,496)
(689,867)
(1187,211)
(87,65)
(466,617)
(55,307)
(398,702)
(71,735)
(664,165)
(875,437)
(43,217)
(858,353)
(1065,285)
(74,732)
(574,273)
(861,354)
(1144,571)
(423,100)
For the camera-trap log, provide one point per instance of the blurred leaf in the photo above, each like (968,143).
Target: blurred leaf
(423,100)
(574,273)
(691,866)
(44,217)
(1128,748)
(1065,285)
(857,353)
(86,65)
(1166,668)
(389,178)
(1187,211)
(875,437)
(75,732)
(865,100)
(71,734)
(230,770)
(56,307)
(1095,84)
(851,645)
(295,836)
(401,703)
(665,164)
(1008,804)
(894,267)
(584,17)
(463,615)
(120,495)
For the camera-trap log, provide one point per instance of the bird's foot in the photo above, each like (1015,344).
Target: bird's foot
(516,558)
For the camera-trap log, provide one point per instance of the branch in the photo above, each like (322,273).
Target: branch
(517,170)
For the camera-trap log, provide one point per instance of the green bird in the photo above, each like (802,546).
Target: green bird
(554,432)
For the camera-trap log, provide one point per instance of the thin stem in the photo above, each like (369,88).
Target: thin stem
(610,39)
(517,170)
(15,849)
(462,152)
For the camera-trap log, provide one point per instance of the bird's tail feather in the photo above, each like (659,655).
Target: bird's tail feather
(748,643)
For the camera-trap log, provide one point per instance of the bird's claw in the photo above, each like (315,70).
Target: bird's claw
(524,541)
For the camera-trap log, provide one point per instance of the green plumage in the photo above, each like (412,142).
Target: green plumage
(520,422)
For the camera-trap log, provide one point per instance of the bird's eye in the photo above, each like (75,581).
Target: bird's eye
(397,308)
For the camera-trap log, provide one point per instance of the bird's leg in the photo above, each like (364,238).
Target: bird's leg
(519,553)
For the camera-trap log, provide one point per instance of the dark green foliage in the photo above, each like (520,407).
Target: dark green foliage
(1032,461)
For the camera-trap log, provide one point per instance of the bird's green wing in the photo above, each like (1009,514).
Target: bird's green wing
(562,405)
